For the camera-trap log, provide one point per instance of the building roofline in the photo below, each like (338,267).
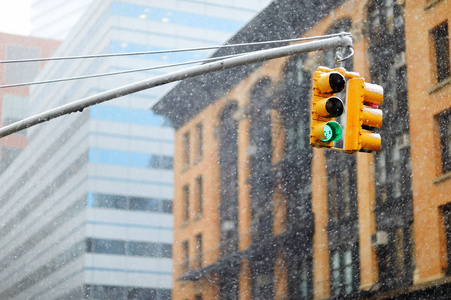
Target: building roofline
(282,19)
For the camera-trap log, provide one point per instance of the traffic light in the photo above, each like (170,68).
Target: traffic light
(324,131)
(363,115)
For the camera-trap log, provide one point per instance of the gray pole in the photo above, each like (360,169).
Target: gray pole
(339,41)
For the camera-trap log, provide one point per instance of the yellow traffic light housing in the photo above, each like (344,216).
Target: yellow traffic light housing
(363,115)
(324,131)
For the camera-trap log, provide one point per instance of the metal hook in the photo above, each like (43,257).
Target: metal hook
(339,59)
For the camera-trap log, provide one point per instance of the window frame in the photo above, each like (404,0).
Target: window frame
(199,250)
(200,141)
(439,36)
(186,149)
(444,122)
(200,196)
(186,197)
(185,260)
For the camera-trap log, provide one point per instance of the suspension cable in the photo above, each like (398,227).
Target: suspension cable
(173,50)
(118,72)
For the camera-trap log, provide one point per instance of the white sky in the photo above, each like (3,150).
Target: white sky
(15,16)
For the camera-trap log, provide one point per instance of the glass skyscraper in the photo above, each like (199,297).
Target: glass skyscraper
(86,207)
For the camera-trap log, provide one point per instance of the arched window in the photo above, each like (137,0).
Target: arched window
(294,105)
(228,210)
(394,208)
(261,189)
(228,161)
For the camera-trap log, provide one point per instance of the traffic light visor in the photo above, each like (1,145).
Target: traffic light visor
(331,83)
(337,82)
(329,108)
(334,107)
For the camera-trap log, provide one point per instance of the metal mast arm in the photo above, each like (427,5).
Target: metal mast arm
(334,42)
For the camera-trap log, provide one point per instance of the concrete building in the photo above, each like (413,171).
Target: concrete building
(286,221)
(86,208)
(14,101)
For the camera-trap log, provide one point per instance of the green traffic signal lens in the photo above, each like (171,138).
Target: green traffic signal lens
(332,132)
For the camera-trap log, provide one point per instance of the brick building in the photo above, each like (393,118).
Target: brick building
(259,214)
(14,101)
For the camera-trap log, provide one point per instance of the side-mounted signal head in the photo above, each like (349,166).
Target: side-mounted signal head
(363,116)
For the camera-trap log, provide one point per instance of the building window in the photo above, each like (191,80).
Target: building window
(335,278)
(24,72)
(228,161)
(186,203)
(8,155)
(130,248)
(346,192)
(446,210)
(440,37)
(186,148)
(160,162)
(199,249)
(133,203)
(105,246)
(381,178)
(396,169)
(200,141)
(185,261)
(200,195)
(305,286)
(444,121)
(120,292)
(342,274)
(14,109)
(334,196)
(399,253)
(347,270)
(342,196)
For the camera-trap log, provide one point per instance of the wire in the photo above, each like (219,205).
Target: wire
(118,72)
(149,68)
(172,51)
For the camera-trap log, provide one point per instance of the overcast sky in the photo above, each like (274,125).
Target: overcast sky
(15,16)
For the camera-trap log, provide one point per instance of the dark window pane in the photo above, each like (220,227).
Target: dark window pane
(446,210)
(167,162)
(199,141)
(186,201)
(164,294)
(186,149)
(142,249)
(146,204)
(200,195)
(109,246)
(142,293)
(89,245)
(7,156)
(110,201)
(108,292)
(166,206)
(185,264)
(441,39)
(166,250)
(445,137)
(155,161)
